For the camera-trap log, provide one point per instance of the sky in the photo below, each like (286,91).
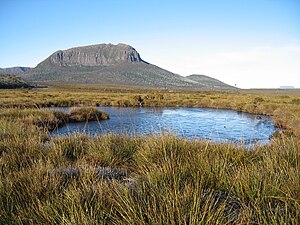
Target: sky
(247,43)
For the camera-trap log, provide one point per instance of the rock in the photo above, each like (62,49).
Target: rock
(111,173)
(106,173)
(93,55)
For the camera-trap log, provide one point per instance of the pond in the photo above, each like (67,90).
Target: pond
(192,123)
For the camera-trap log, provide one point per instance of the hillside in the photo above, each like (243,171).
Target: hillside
(9,81)
(14,70)
(107,64)
(209,81)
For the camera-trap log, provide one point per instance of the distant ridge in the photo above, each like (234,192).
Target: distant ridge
(108,64)
(286,87)
(14,70)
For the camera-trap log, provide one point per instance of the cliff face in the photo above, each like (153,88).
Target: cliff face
(94,55)
(105,64)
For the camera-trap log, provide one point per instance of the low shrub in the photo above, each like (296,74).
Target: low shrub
(86,114)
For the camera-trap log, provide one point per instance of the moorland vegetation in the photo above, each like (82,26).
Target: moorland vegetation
(158,179)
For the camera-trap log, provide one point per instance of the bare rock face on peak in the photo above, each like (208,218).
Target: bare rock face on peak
(107,64)
(93,55)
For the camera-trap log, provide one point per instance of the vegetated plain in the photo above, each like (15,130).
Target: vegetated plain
(159,179)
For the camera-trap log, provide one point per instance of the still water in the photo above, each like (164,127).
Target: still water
(201,123)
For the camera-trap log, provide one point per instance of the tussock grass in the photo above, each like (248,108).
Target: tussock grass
(282,105)
(87,114)
(50,119)
(171,181)
(159,179)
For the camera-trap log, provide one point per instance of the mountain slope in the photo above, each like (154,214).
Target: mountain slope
(145,75)
(209,82)
(8,81)
(107,64)
(14,70)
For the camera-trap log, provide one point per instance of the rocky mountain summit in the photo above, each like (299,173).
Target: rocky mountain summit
(93,55)
(108,64)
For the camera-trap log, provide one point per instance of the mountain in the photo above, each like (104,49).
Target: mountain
(14,70)
(209,82)
(106,64)
(9,81)
(93,55)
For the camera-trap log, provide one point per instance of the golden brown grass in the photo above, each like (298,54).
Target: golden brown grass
(167,181)
(162,179)
(282,105)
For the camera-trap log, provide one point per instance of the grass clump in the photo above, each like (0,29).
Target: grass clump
(156,179)
(50,119)
(87,114)
(164,180)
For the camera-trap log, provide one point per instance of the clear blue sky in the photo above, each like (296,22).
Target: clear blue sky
(231,40)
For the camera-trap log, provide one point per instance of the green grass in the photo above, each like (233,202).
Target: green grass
(167,180)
